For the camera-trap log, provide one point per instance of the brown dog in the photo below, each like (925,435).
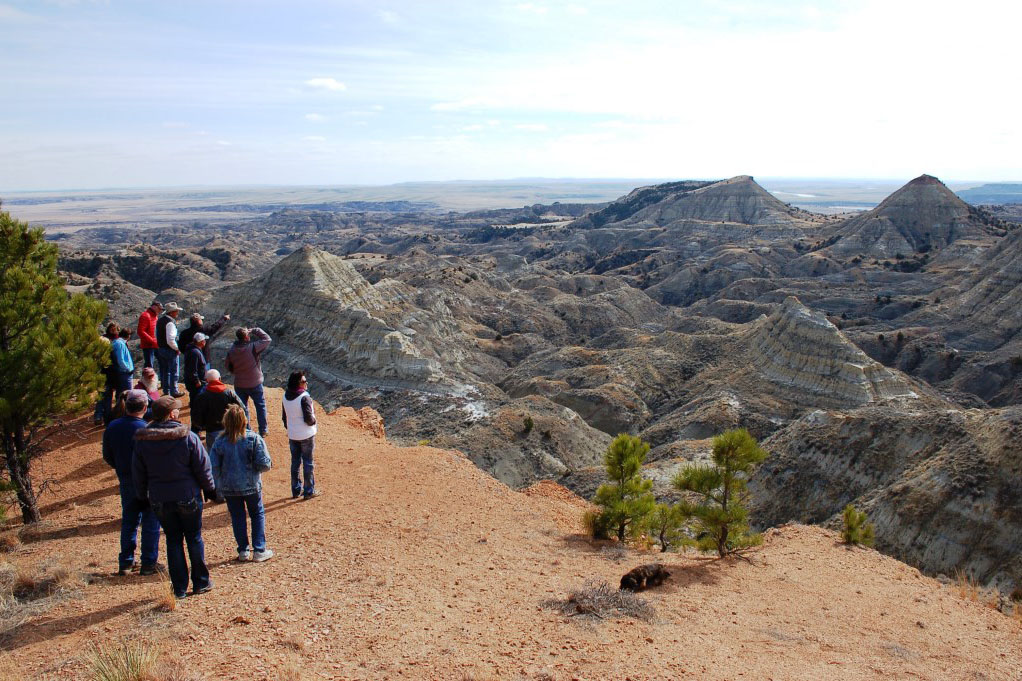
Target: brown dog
(644,577)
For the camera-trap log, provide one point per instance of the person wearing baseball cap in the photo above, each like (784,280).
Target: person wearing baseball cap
(118,448)
(195,367)
(197,324)
(171,470)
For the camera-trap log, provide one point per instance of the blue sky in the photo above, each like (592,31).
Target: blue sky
(138,93)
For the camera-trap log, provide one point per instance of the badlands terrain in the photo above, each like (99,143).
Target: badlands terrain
(875,354)
(415,564)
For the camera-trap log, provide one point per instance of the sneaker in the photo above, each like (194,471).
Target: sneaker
(147,570)
(180,596)
(205,589)
(244,555)
(311,495)
(123,572)
(262,556)
(177,395)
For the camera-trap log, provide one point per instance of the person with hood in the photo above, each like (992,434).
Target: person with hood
(195,367)
(118,451)
(171,471)
(300,422)
(238,458)
(168,351)
(243,360)
(197,325)
(147,332)
(210,405)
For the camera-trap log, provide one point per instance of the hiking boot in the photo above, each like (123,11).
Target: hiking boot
(311,495)
(244,555)
(147,570)
(205,589)
(180,596)
(123,572)
(262,556)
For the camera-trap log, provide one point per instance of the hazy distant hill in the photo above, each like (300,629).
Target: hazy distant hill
(1004,192)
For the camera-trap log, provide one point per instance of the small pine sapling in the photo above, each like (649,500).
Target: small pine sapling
(666,525)
(628,498)
(527,424)
(856,530)
(721,518)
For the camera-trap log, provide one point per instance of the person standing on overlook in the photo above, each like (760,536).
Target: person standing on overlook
(300,420)
(197,325)
(166,338)
(209,407)
(147,332)
(118,452)
(243,360)
(171,470)
(195,367)
(238,457)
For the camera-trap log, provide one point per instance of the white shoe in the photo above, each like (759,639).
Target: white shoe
(260,556)
(244,555)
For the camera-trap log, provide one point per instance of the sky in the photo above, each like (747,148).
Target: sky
(140,93)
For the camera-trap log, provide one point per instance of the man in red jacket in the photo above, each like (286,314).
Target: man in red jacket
(147,332)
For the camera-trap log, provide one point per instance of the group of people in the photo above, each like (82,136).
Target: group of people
(164,468)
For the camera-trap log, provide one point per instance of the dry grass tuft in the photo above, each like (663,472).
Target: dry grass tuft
(174,669)
(294,642)
(123,661)
(293,669)
(967,587)
(164,600)
(597,599)
(9,542)
(26,591)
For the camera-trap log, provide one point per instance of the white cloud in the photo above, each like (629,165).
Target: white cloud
(328,84)
(388,16)
(473,128)
(315,117)
(462,105)
(174,125)
(8,13)
(223,143)
(314,138)
(532,127)
(532,8)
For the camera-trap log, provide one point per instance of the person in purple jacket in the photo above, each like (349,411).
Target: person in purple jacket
(172,471)
(243,360)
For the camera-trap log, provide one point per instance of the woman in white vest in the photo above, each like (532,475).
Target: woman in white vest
(300,420)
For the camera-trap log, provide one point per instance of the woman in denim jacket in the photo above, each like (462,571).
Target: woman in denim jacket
(238,457)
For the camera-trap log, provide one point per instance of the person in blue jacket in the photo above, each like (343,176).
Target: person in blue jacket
(171,469)
(238,458)
(118,450)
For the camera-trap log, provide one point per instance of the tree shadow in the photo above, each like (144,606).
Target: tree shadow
(80,500)
(46,629)
(85,471)
(105,527)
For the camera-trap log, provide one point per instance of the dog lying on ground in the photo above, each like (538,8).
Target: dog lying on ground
(644,577)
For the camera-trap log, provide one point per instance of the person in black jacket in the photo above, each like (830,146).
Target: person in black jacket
(197,325)
(195,367)
(210,405)
(171,470)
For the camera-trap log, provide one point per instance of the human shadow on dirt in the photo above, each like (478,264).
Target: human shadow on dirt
(46,629)
(80,500)
(83,530)
(86,471)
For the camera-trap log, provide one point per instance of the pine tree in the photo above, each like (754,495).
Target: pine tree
(856,530)
(666,523)
(720,515)
(50,351)
(627,499)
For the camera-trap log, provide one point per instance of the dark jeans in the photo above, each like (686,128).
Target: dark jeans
(168,370)
(253,503)
(182,524)
(131,518)
(256,394)
(301,457)
(149,356)
(192,394)
(116,383)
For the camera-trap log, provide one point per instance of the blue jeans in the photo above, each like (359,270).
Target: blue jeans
(168,370)
(237,506)
(256,394)
(131,518)
(182,524)
(149,356)
(301,457)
